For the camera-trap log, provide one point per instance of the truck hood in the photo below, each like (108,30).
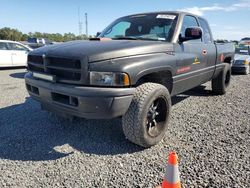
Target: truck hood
(103,50)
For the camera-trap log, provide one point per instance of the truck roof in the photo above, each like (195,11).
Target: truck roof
(165,12)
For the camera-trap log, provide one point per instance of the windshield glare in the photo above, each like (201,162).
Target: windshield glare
(142,27)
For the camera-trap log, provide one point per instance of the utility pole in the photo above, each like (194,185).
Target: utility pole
(86,23)
(79,21)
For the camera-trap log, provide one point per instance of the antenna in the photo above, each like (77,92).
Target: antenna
(86,23)
(79,22)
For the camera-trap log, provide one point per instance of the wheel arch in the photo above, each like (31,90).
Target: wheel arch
(228,59)
(163,76)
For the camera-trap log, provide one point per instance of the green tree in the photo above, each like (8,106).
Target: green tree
(13,34)
(24,37)
(7,33)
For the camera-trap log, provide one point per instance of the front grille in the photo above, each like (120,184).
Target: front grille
(66,70)
(35,68)
(67,63)
(35,59)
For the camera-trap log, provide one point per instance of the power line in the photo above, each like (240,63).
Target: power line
(79,21)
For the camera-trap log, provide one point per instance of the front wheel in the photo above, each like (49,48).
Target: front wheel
(146,120)
(222,81)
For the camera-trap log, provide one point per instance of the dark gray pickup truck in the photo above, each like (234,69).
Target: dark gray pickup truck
(131,71)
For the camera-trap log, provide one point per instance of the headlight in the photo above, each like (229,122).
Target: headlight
(109,79)
(246,62)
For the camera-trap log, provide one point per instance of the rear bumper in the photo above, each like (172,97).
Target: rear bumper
(85,102)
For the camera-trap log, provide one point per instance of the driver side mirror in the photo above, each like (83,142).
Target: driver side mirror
(191,33)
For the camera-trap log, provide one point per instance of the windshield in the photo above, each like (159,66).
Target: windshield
(243,50)
(32,40)
(158,27)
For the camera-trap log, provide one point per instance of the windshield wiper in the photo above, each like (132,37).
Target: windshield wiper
(135,38)
(150,39)
(125,38)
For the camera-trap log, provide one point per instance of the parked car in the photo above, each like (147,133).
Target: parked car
(13,53)
(131,71)
(242,59)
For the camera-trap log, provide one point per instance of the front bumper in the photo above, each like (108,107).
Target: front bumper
(80,101)
(239,68)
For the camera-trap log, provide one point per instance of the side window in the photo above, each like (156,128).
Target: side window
(189,21)
(18,47)
(206,35)
(3,46)
(118,30)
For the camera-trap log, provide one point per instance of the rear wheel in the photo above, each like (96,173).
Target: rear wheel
(222,81)
(146,120)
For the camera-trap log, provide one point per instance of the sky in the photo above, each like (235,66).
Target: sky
(228,19)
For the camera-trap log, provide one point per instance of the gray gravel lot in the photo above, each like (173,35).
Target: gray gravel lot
(211,135)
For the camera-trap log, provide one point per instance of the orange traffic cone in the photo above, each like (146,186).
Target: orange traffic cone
(172,176)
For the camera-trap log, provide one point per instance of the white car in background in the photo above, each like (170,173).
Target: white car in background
(13,54)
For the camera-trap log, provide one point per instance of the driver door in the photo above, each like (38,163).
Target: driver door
(191,60)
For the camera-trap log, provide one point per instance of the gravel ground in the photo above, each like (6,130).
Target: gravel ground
(211,135)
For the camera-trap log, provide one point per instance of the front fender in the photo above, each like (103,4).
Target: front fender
(138,66)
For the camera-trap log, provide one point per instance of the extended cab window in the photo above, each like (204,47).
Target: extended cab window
(206,35)
(189,21)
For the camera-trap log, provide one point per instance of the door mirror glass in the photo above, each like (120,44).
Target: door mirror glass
(191,33)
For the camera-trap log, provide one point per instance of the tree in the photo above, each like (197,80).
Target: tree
(7,33)
(13,34)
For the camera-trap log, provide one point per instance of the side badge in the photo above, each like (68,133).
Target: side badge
(196,61)
(183,69)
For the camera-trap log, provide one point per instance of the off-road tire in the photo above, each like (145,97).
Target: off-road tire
(222,81)
(134,122)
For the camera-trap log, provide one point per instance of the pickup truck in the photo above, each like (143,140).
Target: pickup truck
(38,42)
(131,71)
